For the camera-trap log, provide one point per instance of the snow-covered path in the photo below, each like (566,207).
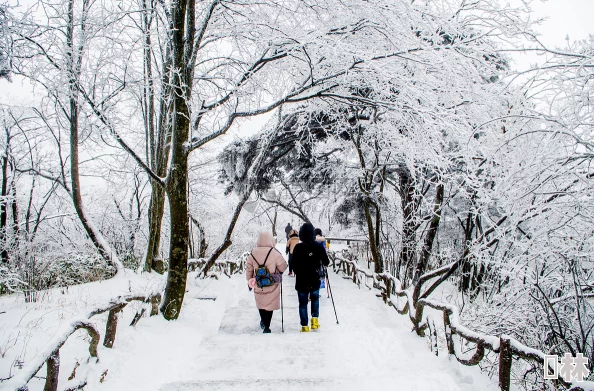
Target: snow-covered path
(371,347)
(217,344)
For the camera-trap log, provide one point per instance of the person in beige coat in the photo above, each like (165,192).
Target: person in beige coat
(267,298)
(291,243)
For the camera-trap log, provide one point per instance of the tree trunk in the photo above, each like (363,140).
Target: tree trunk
(177,184)
(157,144)
(274,222)
(227,241)
(74,56)
(252,173)
(373,242)
(53,372)
(178,207)
(431,234)
(15,210)
(407,252)
(156,210)
(466,265)
(4,201)
(75,180)
(202,246)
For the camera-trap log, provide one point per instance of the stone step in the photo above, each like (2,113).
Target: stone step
(290,384)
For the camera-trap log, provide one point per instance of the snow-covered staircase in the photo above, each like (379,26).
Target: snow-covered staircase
(372,347)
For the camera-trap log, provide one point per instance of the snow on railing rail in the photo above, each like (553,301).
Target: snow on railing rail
(221,266)
(51,353)
(505,346)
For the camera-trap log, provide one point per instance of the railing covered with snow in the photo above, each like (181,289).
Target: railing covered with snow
(226,267)
(414,304)
(51,353)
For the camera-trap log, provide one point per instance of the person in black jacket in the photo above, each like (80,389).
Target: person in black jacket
(307,258)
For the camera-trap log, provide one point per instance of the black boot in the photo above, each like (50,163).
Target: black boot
(267,330)
(262,325)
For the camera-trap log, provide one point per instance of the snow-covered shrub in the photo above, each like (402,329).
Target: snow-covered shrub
(9,281)
(49,267)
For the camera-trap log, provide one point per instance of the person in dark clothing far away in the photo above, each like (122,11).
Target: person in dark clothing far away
(288,229)
(307,258)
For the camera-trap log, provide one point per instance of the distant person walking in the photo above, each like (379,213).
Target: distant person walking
(288,229)
(320,238)
(264,266)
(308,257)
(291,243)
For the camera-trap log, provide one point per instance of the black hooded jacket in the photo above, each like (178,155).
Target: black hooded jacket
(307,257)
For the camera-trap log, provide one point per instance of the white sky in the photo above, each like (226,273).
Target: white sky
(564,18)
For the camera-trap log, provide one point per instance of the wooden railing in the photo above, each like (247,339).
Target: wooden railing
(225,267)
(415,302)
(51,353)
(355,246)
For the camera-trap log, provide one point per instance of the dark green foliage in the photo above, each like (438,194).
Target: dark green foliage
(350,211)
(291,158)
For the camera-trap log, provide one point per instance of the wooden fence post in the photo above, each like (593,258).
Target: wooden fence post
(112,326)
(95,338)
(155,301)
(505,363)
(53,370)
(448,332)
(385,294)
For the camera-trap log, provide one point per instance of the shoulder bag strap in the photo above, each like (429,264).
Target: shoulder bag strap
(265,259)
(255,260)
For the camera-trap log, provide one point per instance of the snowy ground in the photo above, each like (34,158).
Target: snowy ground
(217,344)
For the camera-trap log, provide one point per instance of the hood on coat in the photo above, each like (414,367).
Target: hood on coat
(265,240)
(293,233)
(306,233)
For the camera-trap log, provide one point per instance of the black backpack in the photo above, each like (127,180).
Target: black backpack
(262,274)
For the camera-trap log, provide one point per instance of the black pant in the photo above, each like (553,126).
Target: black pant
(266,317)
(290,263)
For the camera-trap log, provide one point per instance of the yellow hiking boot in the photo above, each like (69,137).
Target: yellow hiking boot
(305,329)
(314,324)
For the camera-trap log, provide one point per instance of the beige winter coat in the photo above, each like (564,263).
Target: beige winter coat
(267,298)
(292,242)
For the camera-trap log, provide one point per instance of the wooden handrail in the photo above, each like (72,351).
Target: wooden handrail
(226,267)
(506,346)
(348,240)
(51,353)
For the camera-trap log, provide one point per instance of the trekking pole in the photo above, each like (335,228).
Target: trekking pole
(282,313)
(331,296)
